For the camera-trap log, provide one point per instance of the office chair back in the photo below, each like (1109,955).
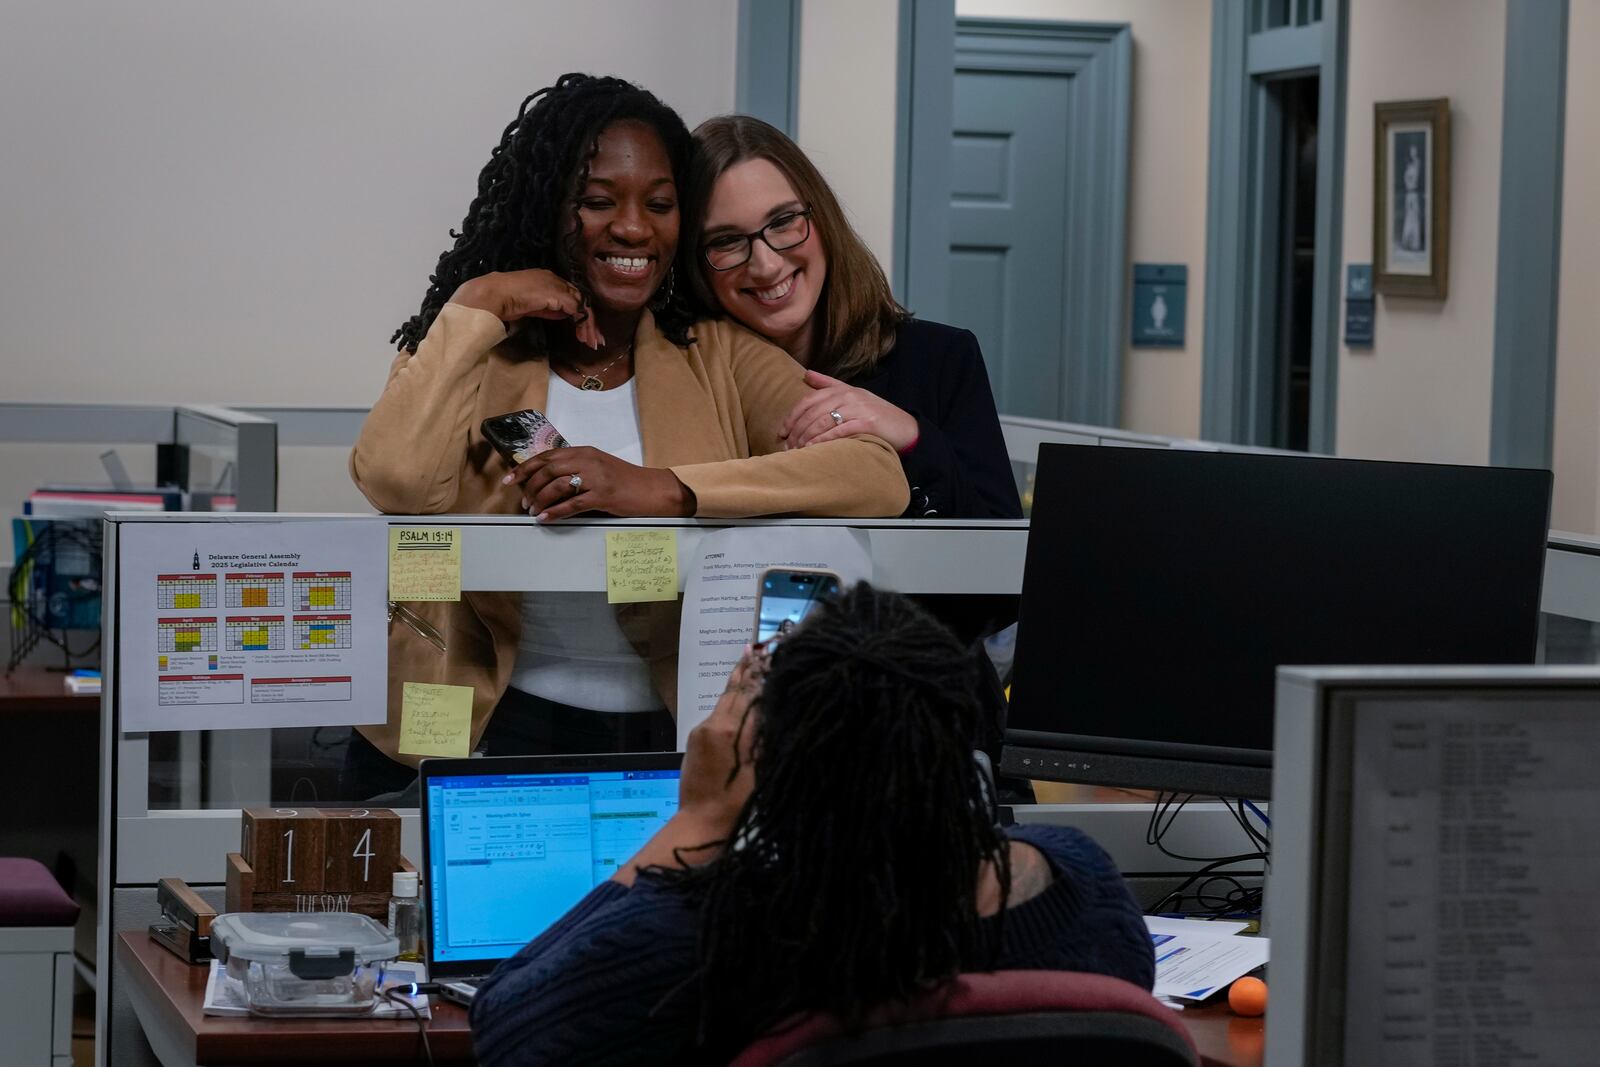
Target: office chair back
(1053,1016)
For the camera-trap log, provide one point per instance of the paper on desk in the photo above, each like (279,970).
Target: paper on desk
(1193,961)
(1159,924)
(225,996)
(719,600)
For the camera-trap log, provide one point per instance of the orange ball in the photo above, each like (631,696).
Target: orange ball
(1248,996)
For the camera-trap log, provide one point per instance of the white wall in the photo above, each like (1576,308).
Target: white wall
(1577,430)
(1167,180)
(1422,392)
(849,51)
(235,202)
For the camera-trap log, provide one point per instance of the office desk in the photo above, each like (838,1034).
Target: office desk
(167,994)
(36,690)
(1225,1039)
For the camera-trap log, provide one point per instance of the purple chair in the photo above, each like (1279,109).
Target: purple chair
(1005,1017)
(36,968)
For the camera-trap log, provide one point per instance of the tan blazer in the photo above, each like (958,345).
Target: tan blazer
(703,410)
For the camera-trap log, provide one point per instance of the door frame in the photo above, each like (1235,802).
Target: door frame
(1098,56)
(1528,264)
(767,63)
(1241,249)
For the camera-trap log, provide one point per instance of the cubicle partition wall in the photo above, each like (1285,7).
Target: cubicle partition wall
(225,458)
(171,801)
(1023,436)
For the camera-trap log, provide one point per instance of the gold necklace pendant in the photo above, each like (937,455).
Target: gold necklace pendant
(593,382)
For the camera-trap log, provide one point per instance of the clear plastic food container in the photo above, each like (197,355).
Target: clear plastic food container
(303,963)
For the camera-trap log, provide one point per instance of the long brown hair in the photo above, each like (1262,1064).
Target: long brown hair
(858,309)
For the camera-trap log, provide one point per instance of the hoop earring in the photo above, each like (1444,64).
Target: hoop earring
(668,289)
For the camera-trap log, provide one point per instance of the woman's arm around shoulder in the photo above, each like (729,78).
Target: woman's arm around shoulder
(408,457)
(959,462)
(851,477)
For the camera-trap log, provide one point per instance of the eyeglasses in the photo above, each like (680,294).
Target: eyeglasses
(782,233)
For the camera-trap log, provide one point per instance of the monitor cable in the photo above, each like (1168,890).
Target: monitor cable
(1238,898)
(1239,894)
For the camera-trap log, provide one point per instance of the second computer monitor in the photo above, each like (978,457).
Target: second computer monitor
(1163,588)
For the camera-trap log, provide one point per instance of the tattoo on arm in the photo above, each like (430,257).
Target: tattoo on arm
(1030,874)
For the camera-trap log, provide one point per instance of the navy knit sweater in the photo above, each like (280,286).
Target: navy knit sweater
(607,983)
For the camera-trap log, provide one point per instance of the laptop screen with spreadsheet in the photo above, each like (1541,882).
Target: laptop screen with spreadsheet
(509,850)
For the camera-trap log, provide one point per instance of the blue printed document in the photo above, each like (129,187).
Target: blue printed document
(1196,957)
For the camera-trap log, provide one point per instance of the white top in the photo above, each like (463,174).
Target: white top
(607,419)
(572,651)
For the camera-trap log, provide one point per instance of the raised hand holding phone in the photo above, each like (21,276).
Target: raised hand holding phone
(718,775)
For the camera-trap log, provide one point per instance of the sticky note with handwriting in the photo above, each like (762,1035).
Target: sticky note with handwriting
(641,565)
(436,720)
(424,563)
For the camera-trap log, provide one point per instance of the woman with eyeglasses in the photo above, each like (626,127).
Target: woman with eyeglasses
(777,254)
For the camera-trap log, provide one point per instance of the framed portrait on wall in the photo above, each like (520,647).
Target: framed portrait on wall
(1411,198)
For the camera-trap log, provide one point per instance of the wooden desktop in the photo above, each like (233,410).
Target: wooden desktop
(167,994)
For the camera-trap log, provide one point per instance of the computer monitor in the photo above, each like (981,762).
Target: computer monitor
(510,843)
(1163,588)
(1433,867)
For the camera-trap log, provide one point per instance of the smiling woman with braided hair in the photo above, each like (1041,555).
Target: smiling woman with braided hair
(559,295)
(868,867)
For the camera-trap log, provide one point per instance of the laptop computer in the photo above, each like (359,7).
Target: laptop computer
(510,843)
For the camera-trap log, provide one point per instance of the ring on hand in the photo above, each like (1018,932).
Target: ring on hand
(576,481)
(838,419)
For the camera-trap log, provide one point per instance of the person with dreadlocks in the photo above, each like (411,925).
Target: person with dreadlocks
(866,869)
(560,294)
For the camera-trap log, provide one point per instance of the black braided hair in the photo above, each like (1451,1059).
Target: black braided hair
(854,883)
(530,183)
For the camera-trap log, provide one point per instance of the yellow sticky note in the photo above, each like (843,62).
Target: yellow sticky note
(641,565)
(436,720)
(424,563)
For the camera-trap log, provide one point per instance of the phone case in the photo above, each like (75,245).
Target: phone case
(521,435)
(828,585)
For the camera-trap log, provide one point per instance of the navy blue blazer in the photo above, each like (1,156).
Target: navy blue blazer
(958,468)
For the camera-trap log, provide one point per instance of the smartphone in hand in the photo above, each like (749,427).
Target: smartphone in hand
(787,594)
(521,435)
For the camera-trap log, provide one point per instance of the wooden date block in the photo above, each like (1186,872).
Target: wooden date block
(241,894)
(286,848)
(363,850)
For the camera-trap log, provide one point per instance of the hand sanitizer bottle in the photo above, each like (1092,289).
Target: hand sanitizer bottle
(405,915)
